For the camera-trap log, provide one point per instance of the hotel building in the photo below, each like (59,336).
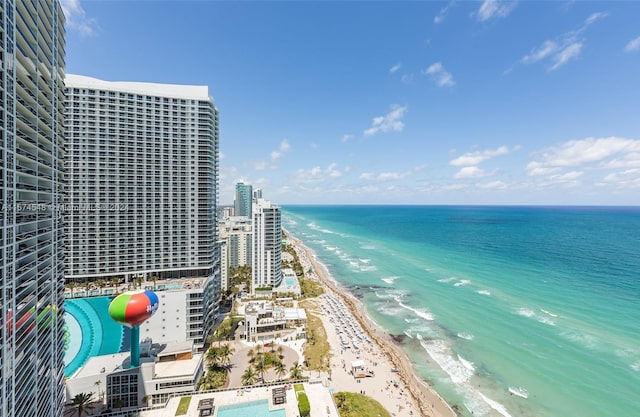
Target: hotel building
(142,163)
(266,268)
(31,183)
(235,234)
(244,196)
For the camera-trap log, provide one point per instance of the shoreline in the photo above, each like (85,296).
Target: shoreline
(424,398)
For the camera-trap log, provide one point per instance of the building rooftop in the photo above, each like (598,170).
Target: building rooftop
(172,369)
(191,92)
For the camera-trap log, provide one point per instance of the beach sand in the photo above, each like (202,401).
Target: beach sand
(394,382)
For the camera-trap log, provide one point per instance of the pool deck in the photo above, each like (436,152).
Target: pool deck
(319,398)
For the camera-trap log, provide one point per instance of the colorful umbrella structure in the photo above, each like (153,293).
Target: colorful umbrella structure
(131,309)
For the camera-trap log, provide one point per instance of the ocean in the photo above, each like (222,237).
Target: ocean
(506,311)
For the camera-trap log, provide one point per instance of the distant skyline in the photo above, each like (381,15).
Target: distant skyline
(483,102)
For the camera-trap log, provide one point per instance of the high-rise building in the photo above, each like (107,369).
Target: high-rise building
(143,173)
(242,203)
(31,184)
(266,268)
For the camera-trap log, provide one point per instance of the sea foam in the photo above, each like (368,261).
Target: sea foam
(484,292)
(461,283)
(465,336)
(441,354)
(519,391)
(389,280)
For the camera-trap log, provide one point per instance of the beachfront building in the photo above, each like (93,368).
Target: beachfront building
(267,245)
(244,197)
(32,60)
(142,164)
(289,284)
(264,321)
(235,238)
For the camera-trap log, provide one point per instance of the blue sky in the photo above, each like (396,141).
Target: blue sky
(423,102)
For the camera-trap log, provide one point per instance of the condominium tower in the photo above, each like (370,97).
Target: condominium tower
(266,268)
(142,163)
(242,203)
(31,182)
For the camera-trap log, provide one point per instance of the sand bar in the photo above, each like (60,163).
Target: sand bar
(394,382)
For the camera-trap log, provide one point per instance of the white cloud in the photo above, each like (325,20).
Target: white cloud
(384,176)
(474,158)
(564,48)
(439,18)
(493,185)
(406,78)
(569,176)
(595,152)
(633,45)
(347,138)
(316,174)
(273,157)
(395,68)
(623,179)
(490,9)
(547,48)
(284,147)
(440,75)
(566,54)
(77,18)
(472,172)
(392,121)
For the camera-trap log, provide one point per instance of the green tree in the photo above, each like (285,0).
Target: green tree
(280,369)
(97,384)
(248,377)
(295,372)
(82,403)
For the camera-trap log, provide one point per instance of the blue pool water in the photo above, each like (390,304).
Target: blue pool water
(91,332)
(252,409)
(290,282)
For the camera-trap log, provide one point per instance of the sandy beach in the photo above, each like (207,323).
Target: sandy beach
(391,378)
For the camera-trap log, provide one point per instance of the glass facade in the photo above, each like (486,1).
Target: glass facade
(31,195)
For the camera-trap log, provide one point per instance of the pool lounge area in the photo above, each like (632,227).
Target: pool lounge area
(254,402)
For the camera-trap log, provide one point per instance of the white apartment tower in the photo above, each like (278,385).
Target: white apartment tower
(142,163)
(267,245)
(31,184)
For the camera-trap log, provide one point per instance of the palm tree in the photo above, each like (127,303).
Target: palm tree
(248,377)
(82,403)
(251,354)
(260,367)
(212,355)
(295,372)
(280,350)
(225,353)
(280,369)
(97,384)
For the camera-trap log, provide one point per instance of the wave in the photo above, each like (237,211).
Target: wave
(519,391)
(447,279)
(441,354)
(548,313)
(417,311)
(368,247)
(465,336)
(546,320)
(408,334)
(368,268)
(461,283)
(526,312)
(484,292)
(389,280)
(467,364)
(495,405)
(636,366)
(365,261)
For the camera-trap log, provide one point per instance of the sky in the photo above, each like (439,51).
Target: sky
(380,102)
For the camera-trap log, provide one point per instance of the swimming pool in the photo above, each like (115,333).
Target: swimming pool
(91,331)
(252,409)
(289,282)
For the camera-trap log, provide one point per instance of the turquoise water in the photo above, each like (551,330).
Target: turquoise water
(507,311)
(289,282)
(91,331)
(252,409)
